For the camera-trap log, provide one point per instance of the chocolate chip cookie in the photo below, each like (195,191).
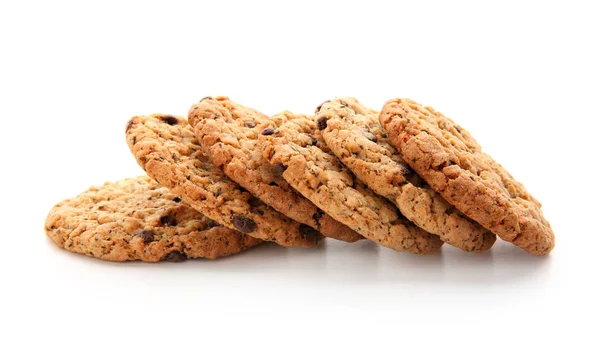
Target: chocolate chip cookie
(136,219)
(228,134)
(166,148)
(293,144)
(452,163)
(353,133)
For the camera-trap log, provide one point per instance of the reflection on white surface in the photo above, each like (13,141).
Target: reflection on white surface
(335,262)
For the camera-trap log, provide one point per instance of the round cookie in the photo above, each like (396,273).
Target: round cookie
(166,148)
(452,163)
(292,143)
(228,135)
(136,219)
(353,133)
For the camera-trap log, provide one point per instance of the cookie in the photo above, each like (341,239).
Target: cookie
(353,133)
(166,148)
(136,219)
(228,134)
(293,144)
(452,163)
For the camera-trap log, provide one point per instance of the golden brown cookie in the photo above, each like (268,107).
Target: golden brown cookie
(166,148)
(292,143)
(228,134)
(452,163)
(353,133)
(136,219)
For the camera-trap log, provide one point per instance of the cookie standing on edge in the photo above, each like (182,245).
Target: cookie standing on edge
(166,148)
(228,134)
(292,143)
(353,133)
(452,163)
(136,219)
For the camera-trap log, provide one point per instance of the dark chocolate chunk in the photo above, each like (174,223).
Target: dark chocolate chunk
(255,202)
(243,224)
(218,192)
(175,256)
(268,131)
(317,216)
(322,123)
(279,168)
(250,124)
(128,126)
(308,233)
(169,119)
(148,236)
(177,199)
(321,105)
(168,220)
(372,137)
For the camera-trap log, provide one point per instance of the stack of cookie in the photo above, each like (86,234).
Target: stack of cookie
(230,177)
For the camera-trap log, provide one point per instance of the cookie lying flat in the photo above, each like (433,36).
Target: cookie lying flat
(292,143)
(166,148)
(353,133)
(451,161)
(228,135)
(136,219)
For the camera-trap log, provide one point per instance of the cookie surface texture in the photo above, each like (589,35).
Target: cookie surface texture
(228,134)
(452,163)
(136,219)
(293,143)
(353,133)
(166,148)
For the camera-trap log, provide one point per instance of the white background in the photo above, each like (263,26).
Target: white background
(523,77)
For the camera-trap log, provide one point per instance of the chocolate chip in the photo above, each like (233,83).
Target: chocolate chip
(321,105)
(279,168)
(317,216)
(218,192)
(313,141)
(175,256)
(372,137)
(177,199)
(322,123)
(250,124)
(243,224)
(273,183)
(148,236)
(308,233)
(255,202)
(268,131)
(128,126)
(168,220)
(205,98)
(211,223)
(457,129)
(450,163)
(169,119)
